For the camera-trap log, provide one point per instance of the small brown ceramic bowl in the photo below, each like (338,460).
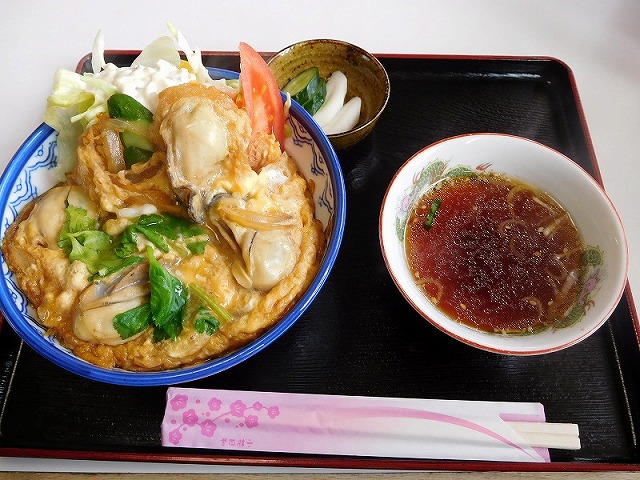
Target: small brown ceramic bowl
(366,78)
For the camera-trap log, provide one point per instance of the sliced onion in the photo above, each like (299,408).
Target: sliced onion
(553,284)
(255,220)
(562,268)
(226,236)
(514,249)
(240,274)
(115,156)
(139,127)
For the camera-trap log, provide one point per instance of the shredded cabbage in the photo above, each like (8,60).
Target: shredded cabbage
(162,48)
(97,52)
(193,57)
(76,100)
(74,103)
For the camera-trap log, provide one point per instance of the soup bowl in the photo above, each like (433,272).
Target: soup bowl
(30,173)
(604,262)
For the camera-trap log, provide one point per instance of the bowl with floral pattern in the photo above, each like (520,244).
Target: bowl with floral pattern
(445,282)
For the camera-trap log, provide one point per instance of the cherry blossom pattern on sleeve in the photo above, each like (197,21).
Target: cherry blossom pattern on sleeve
(208,417)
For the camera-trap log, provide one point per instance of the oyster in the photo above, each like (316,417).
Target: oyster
(101,301)
(267,243)
(48,214)
(210,167)
(197,142)
(34,236)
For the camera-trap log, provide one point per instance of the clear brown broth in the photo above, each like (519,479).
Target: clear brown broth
(500,255)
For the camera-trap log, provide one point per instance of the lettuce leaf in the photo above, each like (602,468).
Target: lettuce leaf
(74,103)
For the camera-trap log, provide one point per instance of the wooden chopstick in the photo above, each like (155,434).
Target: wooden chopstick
(548,435)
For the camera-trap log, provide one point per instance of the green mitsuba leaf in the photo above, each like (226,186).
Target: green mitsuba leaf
(205,322)
(133,321)
(168,298)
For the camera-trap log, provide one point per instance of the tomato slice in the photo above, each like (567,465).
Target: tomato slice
(261,94)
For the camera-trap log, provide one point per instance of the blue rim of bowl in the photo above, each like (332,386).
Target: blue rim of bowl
(35,338)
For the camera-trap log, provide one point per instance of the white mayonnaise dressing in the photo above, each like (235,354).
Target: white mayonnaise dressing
(144,83)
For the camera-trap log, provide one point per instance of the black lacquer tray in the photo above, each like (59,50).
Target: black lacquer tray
(360,337)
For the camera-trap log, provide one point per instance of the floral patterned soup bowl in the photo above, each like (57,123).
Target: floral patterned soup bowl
(604,261)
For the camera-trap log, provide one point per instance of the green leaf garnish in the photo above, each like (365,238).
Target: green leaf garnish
(431,216)
(112,263)
(205,322)
(103,255)
(125,243)
(78,219)
(197,248)
(80,240)
(165,232)
(133,321)
(220,312)
(170,226)
(154,237)
(168,299)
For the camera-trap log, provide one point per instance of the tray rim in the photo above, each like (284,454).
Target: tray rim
(343,462)
(324,462)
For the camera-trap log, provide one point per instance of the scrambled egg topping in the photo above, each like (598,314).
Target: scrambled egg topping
(263,243)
